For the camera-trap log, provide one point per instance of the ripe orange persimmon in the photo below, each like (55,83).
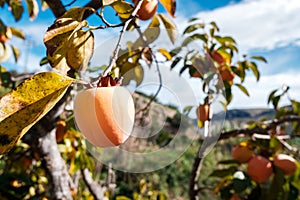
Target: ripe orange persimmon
(147,9)
(235,197)
(259,169)
(242,153)
(286,163)
(203,112)
(217,57)
(60,130)
(226,74)
(7,36)
(105,115)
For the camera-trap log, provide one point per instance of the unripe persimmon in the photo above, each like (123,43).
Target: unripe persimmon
(147,9)
(242,153)
(259,169)
(105,115)
(203,112)
(7,36)
(286,163)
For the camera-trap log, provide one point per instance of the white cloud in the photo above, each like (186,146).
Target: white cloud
(259,91)
(258,23)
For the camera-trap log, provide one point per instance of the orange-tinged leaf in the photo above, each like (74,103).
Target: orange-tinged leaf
(28,103)
(170,6)
(33,8)
(17,32)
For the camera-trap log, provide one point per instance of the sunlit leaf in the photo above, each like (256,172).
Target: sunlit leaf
(80,50)
(193,27)
(33,8)
(170,6)
(170,26)
(65,33)
(44,61)
(215,26)
(16,52)
(27,104)
(17,32)
(108,2)
(225,39)
(44,5)
(242,88)
(5,52)
(260,58)
(254,69)
(123,8)
(193,37)
(165,53)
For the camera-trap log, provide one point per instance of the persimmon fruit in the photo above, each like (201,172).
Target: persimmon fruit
(217,57)
(105,115)
(147,9)
(7,36)
(226,74)
(259,169)
(242,153)
(286,163)
(60,130)
(203,112)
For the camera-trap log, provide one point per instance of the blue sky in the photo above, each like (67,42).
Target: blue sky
(260,27)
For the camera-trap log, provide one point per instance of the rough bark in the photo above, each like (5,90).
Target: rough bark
(95,188)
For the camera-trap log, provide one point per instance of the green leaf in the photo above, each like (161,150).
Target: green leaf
(260,58)
(253,67)
(170,6)
(132,71)
(44,61)
(175,62)
(123,8)
(170,26)
(225,40)
(215,26)
(275,101)
(16,8)
(242,88)
(27,104)
(271,95)
(33,8)
(17,32)
(16,52)
(193,37)
(193,27)
(221,173)
(229,162)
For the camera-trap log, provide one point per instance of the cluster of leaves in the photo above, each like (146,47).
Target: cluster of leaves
(215,54)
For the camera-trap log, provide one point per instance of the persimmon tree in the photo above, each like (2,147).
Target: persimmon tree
(44,155)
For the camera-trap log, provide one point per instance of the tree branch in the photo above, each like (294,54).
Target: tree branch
(95,188)
(57,8)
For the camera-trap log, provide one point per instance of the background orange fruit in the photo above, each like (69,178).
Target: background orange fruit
(286,163)
(259,169)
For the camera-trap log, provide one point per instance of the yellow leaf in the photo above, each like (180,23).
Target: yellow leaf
(80,50)
(28,103)
(124,9)
(132,71)
(33,8)
(165,53)
(170,6)
(170,26)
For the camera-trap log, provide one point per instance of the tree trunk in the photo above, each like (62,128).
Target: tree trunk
(56,170)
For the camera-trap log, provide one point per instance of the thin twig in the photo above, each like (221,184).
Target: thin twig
(118,46)
(144,39)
